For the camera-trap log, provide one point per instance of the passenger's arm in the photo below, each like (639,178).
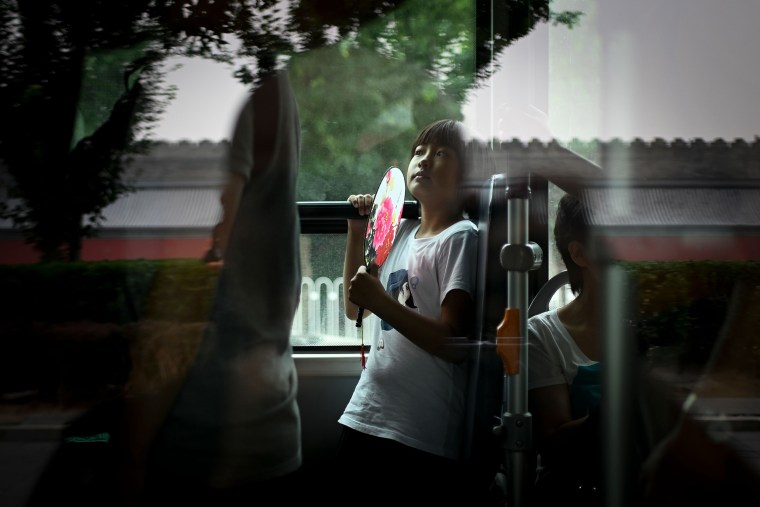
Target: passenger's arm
(443,338)
(436,336)
(354,257)
(230,201)
(554,428)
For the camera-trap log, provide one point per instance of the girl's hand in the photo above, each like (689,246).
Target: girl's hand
(363,204)
(365,289)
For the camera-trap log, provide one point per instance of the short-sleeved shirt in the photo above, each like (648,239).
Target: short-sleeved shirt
(554,358)
(406,393)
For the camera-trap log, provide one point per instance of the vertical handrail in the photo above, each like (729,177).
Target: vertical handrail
(517,297)
(518,257)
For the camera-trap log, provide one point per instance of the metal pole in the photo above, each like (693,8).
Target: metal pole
(518,257)
(618,381)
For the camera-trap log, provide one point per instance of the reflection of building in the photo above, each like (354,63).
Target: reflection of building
(170,215)
(176,202)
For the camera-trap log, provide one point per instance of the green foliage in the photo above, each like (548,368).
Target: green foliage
(357,120)
(682,305)
(84,326)
(108,291)
(75,331)
(77,88)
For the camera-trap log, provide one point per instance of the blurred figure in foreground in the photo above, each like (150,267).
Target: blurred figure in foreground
(213,256)
(231,431)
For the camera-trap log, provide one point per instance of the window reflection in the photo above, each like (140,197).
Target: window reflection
(320,319)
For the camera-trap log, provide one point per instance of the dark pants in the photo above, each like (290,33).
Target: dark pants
(380,471)
(171,490)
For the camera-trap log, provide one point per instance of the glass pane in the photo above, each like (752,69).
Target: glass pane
(320,318)
(363,100)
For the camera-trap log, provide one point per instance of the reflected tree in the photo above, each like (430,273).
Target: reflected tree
(81,85)
(78,85)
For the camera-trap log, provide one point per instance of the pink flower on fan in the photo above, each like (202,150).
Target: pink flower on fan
(384,249)
(383,230)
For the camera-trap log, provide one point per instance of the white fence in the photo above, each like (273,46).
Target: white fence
(320,319)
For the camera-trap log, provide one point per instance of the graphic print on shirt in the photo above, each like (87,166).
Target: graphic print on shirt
(398,288)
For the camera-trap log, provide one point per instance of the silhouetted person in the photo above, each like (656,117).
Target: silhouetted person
(233,430)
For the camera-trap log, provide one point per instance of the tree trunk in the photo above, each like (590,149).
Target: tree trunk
(75,245)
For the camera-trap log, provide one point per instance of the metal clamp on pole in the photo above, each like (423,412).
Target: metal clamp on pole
(518,257)
(521,258)
(516,430)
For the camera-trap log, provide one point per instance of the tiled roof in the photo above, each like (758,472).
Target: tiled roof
(199,208)
(179,185)
(160,208)
(657,207)
(165,208)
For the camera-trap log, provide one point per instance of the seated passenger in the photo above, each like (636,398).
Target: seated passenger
(685,465)
(563,374)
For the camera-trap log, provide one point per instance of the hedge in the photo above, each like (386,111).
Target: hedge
(79,330)
(107,291)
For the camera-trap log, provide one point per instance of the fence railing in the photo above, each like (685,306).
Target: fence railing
(320,319)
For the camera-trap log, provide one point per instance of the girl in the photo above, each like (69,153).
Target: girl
(402,427)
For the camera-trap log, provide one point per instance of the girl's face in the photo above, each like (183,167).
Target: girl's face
(434,173)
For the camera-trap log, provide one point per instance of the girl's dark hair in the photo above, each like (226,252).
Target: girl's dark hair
(475,158)
(448,132)
(571,225)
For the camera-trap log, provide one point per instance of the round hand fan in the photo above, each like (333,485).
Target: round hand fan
(383,222)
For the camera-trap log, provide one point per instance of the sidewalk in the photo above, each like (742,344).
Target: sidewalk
(30,438)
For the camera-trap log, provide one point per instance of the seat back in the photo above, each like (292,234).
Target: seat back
(544,296)
(492,278)
(482,450)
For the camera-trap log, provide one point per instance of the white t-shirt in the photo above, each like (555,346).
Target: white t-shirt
(554,358)
(405,393)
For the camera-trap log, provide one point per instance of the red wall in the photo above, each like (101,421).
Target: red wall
(15,251)
(631,248)
(676,248)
